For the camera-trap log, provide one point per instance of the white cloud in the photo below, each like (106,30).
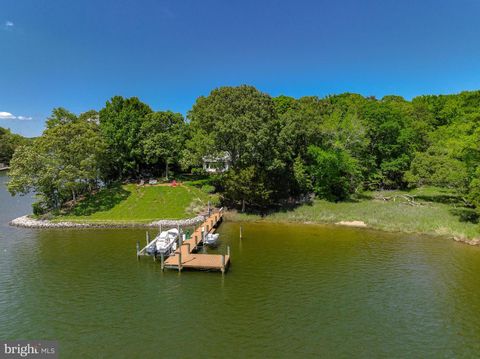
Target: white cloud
(10,116)
(6,116)
(9,23)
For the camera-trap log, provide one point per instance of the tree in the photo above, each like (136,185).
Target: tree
(120,123)
(8,143)
(242,122)
(61,164)
(394,137)
(162,137)
(335,174)
(245,187)
(436,167)
(238,120)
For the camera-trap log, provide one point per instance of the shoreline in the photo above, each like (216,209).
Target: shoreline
(232,216)
(27,222)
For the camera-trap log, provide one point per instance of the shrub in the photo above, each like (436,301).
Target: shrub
(207,188)
(39,208)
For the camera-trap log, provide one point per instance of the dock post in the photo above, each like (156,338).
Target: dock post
(240,232)
(223,263)
(180,261)
(162,261)
(180,240)
(209,208)
(138,250)
(228,251)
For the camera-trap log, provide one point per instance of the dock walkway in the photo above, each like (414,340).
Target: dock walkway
(186,256)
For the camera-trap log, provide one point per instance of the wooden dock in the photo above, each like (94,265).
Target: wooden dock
(186,256)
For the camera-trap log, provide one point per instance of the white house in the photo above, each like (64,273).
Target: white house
(216,164)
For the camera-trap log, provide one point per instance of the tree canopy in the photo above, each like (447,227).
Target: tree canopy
(8,143)
(64,162)
(279,148)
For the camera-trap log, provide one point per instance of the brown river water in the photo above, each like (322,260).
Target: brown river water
(292,291)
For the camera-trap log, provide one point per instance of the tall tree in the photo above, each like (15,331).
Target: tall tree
(8,143)
(242,122)
(121,122)
(162,137)
(61,164)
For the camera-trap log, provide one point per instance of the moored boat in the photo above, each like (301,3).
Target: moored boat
(211,239)
(165,243)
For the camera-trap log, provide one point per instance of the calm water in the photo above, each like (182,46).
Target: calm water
(292,291)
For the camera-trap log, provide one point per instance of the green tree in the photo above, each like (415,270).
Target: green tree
(242,122)
(436,167)
(335,174)
(162,138)
(246,187)
(61,164)
(238,120)
(120,123)
(8,143)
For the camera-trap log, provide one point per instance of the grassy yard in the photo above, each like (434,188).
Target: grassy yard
(434,211)
(132,203)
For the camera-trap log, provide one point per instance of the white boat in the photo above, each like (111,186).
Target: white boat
(165,243)
(211,239)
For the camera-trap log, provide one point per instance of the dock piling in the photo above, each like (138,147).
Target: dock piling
(180,261)
(228,251)
(162,261)
(138,250)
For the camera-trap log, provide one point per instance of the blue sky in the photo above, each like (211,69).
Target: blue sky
(78,54)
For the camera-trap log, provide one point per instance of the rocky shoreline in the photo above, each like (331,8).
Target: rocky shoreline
(28,222)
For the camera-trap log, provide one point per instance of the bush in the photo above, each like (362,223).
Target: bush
(199,171)
(207,188)
(39,208)
(335,173)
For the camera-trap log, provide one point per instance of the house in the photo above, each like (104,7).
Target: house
(216,164)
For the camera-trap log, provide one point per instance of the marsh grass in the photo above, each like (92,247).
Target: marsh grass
(436,211)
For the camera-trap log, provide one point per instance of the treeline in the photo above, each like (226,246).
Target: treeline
(280,148)
(8,143)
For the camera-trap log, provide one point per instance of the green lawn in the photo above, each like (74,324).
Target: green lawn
(132,203)
(436,211)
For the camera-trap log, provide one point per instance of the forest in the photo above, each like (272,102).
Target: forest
(8,143)
(281,148)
